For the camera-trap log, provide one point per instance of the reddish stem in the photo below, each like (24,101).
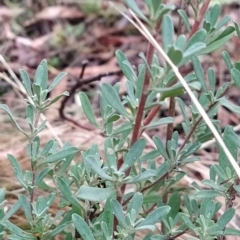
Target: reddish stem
(199,18)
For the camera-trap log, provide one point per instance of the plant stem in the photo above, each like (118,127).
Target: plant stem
(36,120)
(199,18)
(200,119)
(139,115)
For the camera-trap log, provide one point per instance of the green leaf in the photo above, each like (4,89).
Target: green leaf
(135,203)
(14,208)
(199,72)
(26,82)
(199,36)
(237,29)
(155,216)
(82,227)
(174,203)
(143,176)
(236,76)
(134,154)
(214,14)
(232,147)
(118,212)
(225,36)
(187,221)
(38,78)
(94,194)
(44,81)
(56,81)
(193,49)
(227,60)
(175,55)
(60,155)
(107,215)
(212,79)
(7,110)
(226,218)
(232,107)
(17,170)
(208,194)
(184,17)
(58,229)
(18,231)
(66,192)
(113,98)
(42,175)
(87,108)
(213,185)
(231,232)
(160,147)
(210,210)
(134,7)
(66,93)
(26,206)
(167,32)
(93,162)
(187,203)
(159,122)
(125,66)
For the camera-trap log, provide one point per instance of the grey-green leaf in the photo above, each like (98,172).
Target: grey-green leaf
(113,99)
(87,108)
(94,194)
(82,227)
(57,80)
(7,110)
(63,153)
(92,161)
(26,81)
(155,216)
(134,7)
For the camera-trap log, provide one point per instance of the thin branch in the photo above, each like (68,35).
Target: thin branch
(199,18)
(206,118)
(200,119)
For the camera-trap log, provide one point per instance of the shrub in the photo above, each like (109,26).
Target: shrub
(92,193)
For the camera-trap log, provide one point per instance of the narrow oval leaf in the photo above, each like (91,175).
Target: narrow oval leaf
(87,108)
(82,227)
(208,194)
(26,81)
(92,161)
(135,203)
(113,99)
(143,176)
(184,17)
(236,77)
(155,216)
(17,169)
(199,73)
(44,81)
(57,80)
(7,110)
(167,32)
(63,153)
(237,29)
(226,218)
(94,194)
(118,212)
(134,7)
(159,122)
(39,76)
(134,153)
